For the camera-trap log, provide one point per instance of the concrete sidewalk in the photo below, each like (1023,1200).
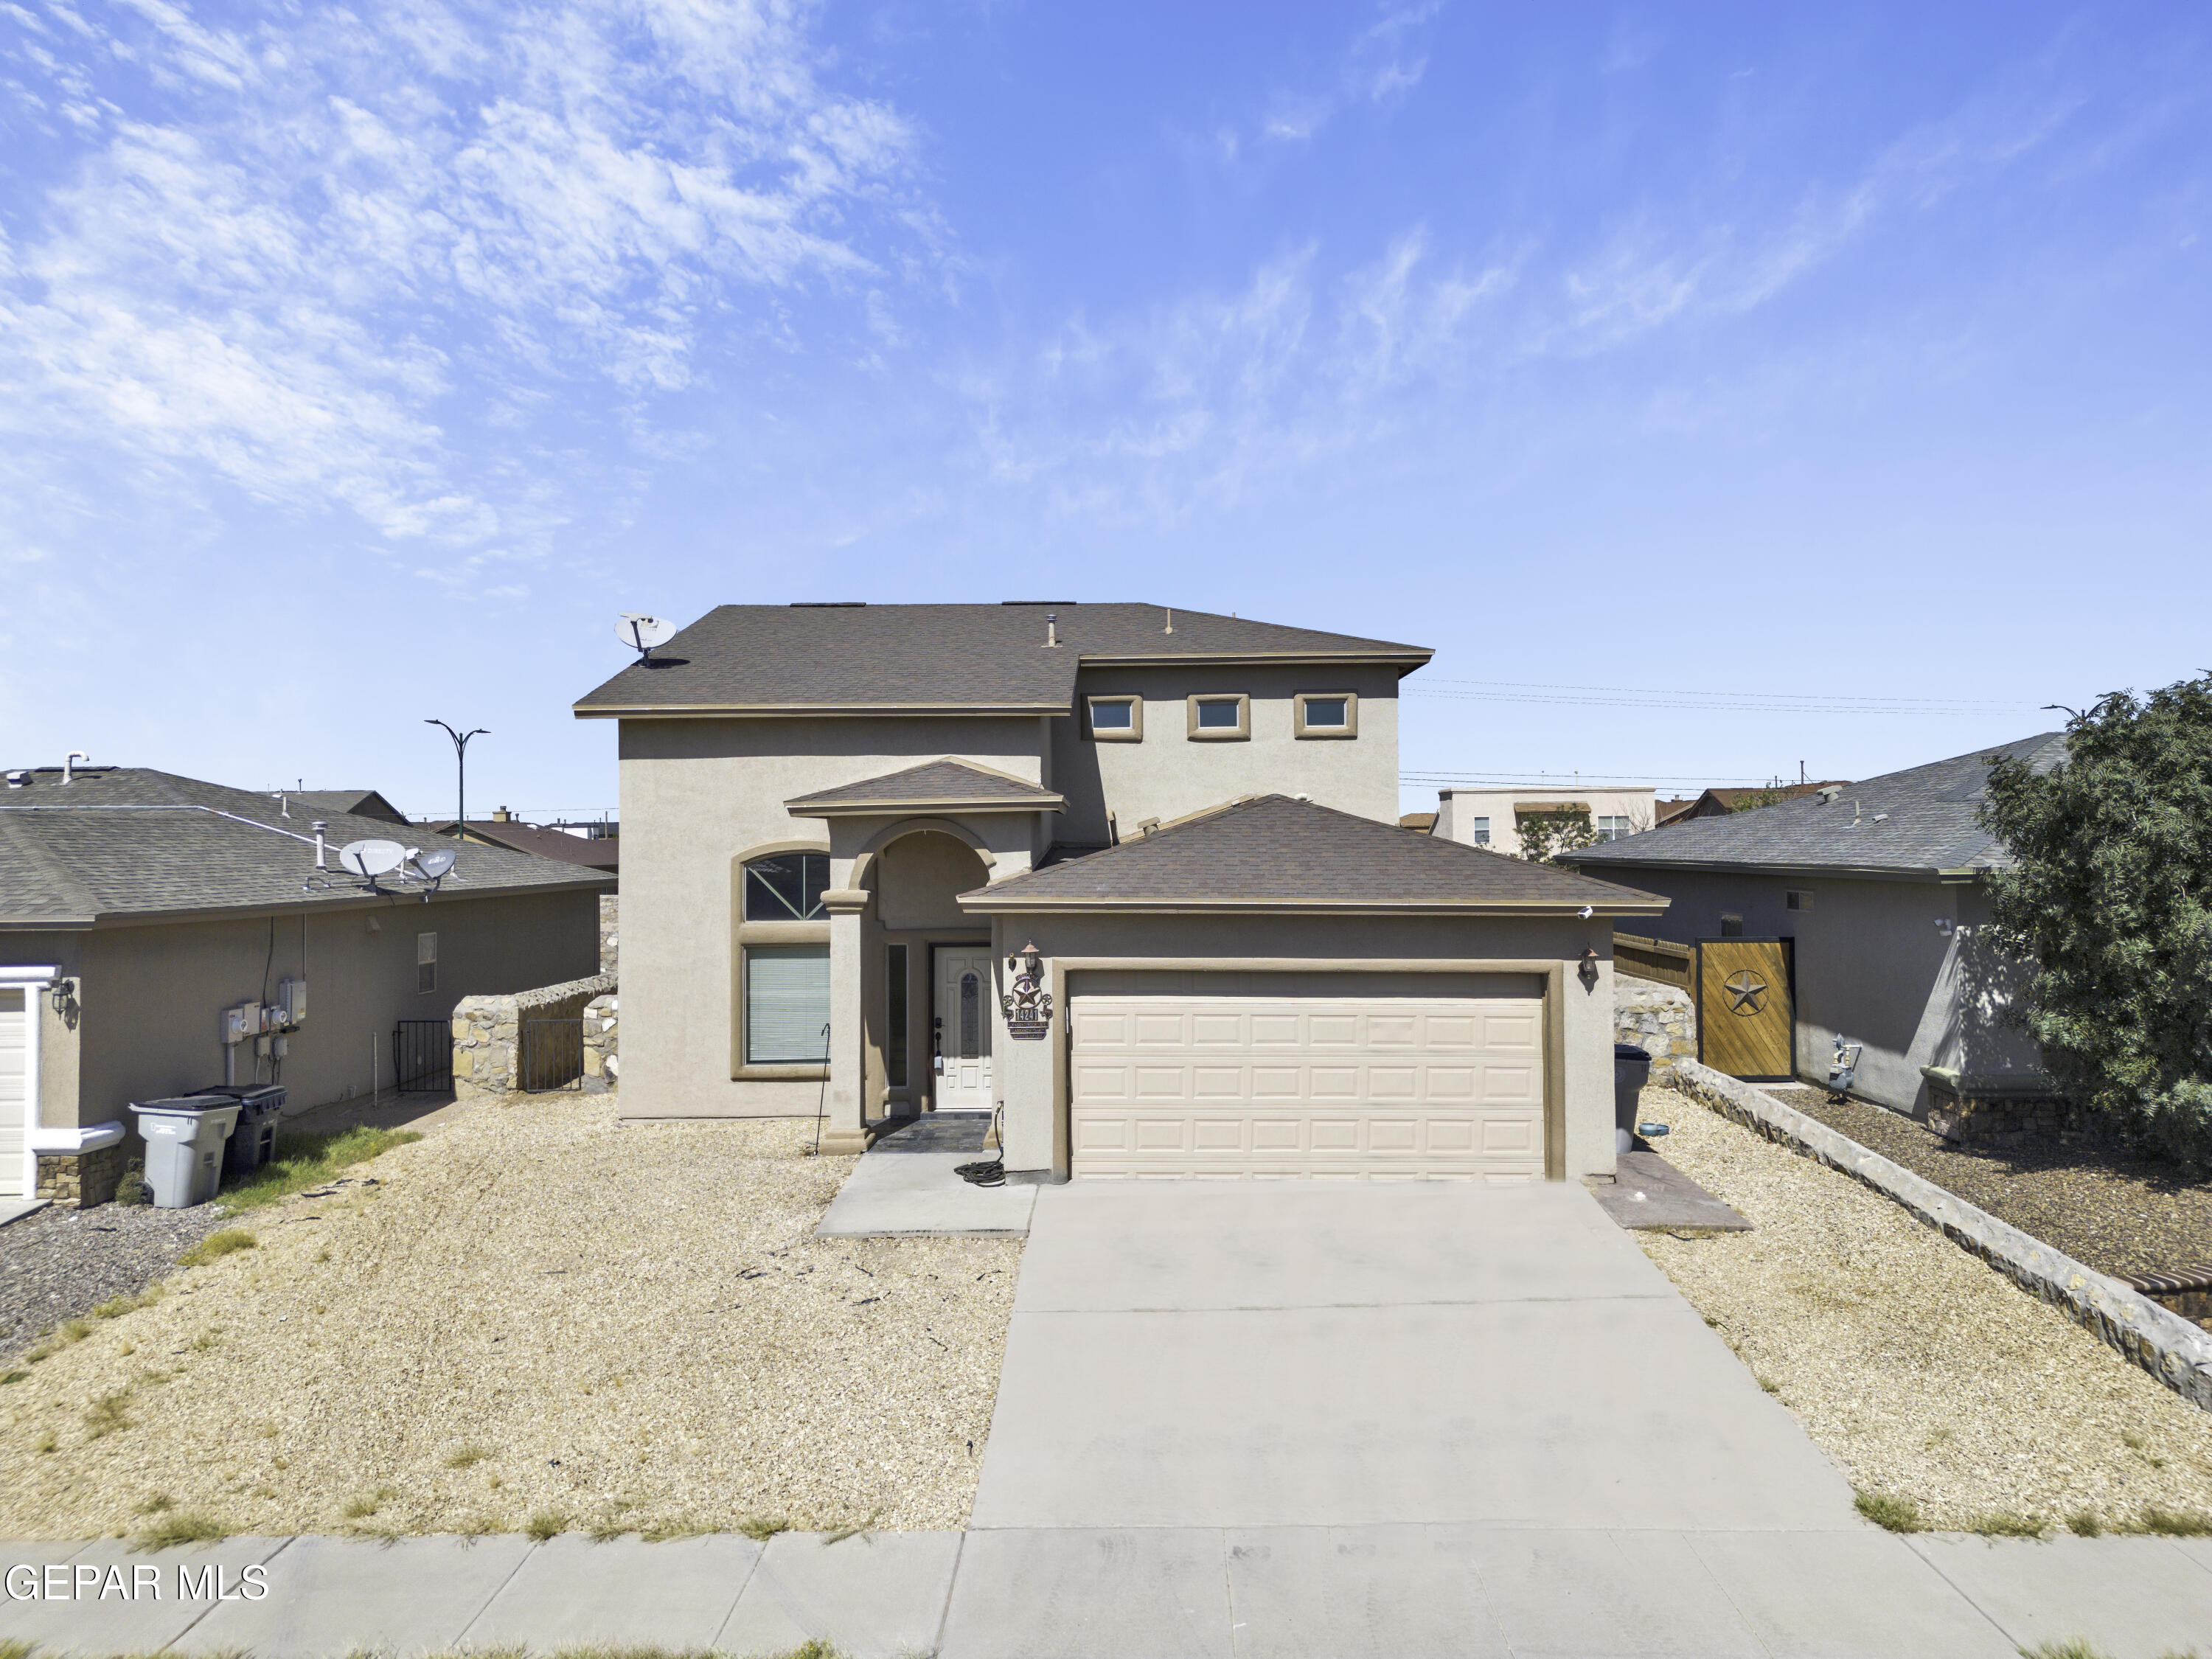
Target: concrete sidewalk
(1173,1593)
(890,1195)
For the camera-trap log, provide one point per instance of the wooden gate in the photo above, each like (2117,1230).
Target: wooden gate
(1747,1018)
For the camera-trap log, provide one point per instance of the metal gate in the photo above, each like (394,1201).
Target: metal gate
(423,1056)
(1747,1015)
(552,1055)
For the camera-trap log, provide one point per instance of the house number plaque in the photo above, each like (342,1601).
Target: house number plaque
(1028,1006)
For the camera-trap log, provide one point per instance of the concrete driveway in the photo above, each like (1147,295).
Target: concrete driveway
(1269,1354)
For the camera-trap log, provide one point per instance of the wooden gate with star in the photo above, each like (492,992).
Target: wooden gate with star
(1747,1018)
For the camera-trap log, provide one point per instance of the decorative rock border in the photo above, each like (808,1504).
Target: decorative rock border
(1659,1019)
(2170,1347)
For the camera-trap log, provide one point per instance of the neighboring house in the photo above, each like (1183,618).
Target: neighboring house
(339,803)
(1880,886)
(1721,803)
(1493,817)
(1424,822)
(502,830)
(847,824)
(1664,812)
(136,908)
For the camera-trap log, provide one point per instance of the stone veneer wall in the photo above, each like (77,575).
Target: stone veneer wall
(2019,1124)
(82,1179)
(488,1032)
(609,919)
(601,1058)
(1659,1019)
(2164,1343)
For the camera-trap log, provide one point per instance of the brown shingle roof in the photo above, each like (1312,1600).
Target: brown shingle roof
(603,853)
(972,658)
(938,783)
(1273,852)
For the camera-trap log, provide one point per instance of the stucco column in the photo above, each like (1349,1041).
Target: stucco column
(842,1130)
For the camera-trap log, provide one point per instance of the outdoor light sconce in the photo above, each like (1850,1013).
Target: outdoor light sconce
(1029,960)
(65,999)
(1587,972)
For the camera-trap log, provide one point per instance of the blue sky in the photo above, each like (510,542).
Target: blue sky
(1716,388)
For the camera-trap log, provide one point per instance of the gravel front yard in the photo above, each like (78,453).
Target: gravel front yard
(58,1264)
(535,1315)
(1924,1373)
(2119,1214)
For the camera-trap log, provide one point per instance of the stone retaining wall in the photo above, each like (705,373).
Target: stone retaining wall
(488,1032)
(610,924)
(602,1057)
(2167,1346)
(81,1179)
(1659,1019)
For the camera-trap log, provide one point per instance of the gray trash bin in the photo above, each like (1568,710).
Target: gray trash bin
(185,1137)
(254,1141)
(1632,1070)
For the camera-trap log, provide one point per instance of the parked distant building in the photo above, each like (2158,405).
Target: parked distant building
(1721,803)
(138,908)
(568,845)
(346,803)
(1493,816)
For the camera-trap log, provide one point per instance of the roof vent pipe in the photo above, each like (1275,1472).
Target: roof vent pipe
(1051,628)
(1170,629)
(75,755)
(321,824)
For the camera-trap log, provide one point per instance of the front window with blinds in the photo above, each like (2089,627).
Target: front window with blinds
(786,1004)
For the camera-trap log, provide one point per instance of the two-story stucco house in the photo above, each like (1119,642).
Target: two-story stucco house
(846,827)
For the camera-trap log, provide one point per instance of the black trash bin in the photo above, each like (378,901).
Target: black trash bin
(1632,1070)
(254,1143)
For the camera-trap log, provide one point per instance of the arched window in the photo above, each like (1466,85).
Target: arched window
(786,887)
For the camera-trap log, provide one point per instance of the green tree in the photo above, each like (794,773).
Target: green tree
(1545,836)
(2108,898)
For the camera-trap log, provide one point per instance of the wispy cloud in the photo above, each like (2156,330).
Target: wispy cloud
(319,255)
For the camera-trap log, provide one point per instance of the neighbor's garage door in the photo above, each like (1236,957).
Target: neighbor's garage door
(1321,1086)
(12,1112)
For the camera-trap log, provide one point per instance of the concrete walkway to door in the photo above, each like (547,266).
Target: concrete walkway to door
(1266,1354)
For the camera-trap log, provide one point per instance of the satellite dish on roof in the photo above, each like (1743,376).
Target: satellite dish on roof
(435,864)
(371,857)
(642,633)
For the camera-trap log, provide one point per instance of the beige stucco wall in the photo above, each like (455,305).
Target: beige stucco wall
(1871,964)
(58,1037)
(1032,1075)
(1458,809)
(151,997)
(697,796)
(1170,773)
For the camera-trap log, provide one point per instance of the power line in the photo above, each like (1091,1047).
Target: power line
(1648,696)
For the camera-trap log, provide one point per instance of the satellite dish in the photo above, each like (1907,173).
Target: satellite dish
(371,857)
(435,864)
(642,633)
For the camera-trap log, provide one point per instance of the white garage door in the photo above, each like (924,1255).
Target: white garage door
(12,1074)
(1345,1087)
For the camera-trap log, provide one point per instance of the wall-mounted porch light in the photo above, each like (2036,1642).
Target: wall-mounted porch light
(1587,972)
(63,999)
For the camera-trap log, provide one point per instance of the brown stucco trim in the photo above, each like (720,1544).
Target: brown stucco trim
(1549,970)
(1407,660)
(1349,729)
(786,710)
(1240,732)
(1135,702)
(1015,903)
(873,809)
(743,933)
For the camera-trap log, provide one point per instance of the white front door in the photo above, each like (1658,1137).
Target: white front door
(961,1025)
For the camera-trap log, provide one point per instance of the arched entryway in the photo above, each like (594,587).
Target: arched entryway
(928,979)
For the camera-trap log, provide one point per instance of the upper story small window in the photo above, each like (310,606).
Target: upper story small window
(1326,714)
(1115,720)
(1478,832)
(1731,926)
(1611,827)
(786,887)
(1220,718)
(1797,898)
(426,963)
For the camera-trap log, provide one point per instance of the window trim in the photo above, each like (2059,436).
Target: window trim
(743,933)
(1240,732)
(1111,734)
(1299,724)
(761,856)
(1478,825)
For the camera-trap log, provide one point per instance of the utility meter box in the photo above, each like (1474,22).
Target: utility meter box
(292,998)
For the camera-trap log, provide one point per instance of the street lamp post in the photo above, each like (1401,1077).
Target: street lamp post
(461,773)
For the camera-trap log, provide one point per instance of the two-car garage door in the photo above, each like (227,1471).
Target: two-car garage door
(1218,1079)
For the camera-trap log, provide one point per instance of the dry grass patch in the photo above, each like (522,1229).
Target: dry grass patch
(536,1311)
(1930,1378)
(228,1241)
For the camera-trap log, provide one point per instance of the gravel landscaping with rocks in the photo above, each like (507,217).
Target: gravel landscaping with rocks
(537,1319)
(2119,1213)
(57,1265)
(1927,1376)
